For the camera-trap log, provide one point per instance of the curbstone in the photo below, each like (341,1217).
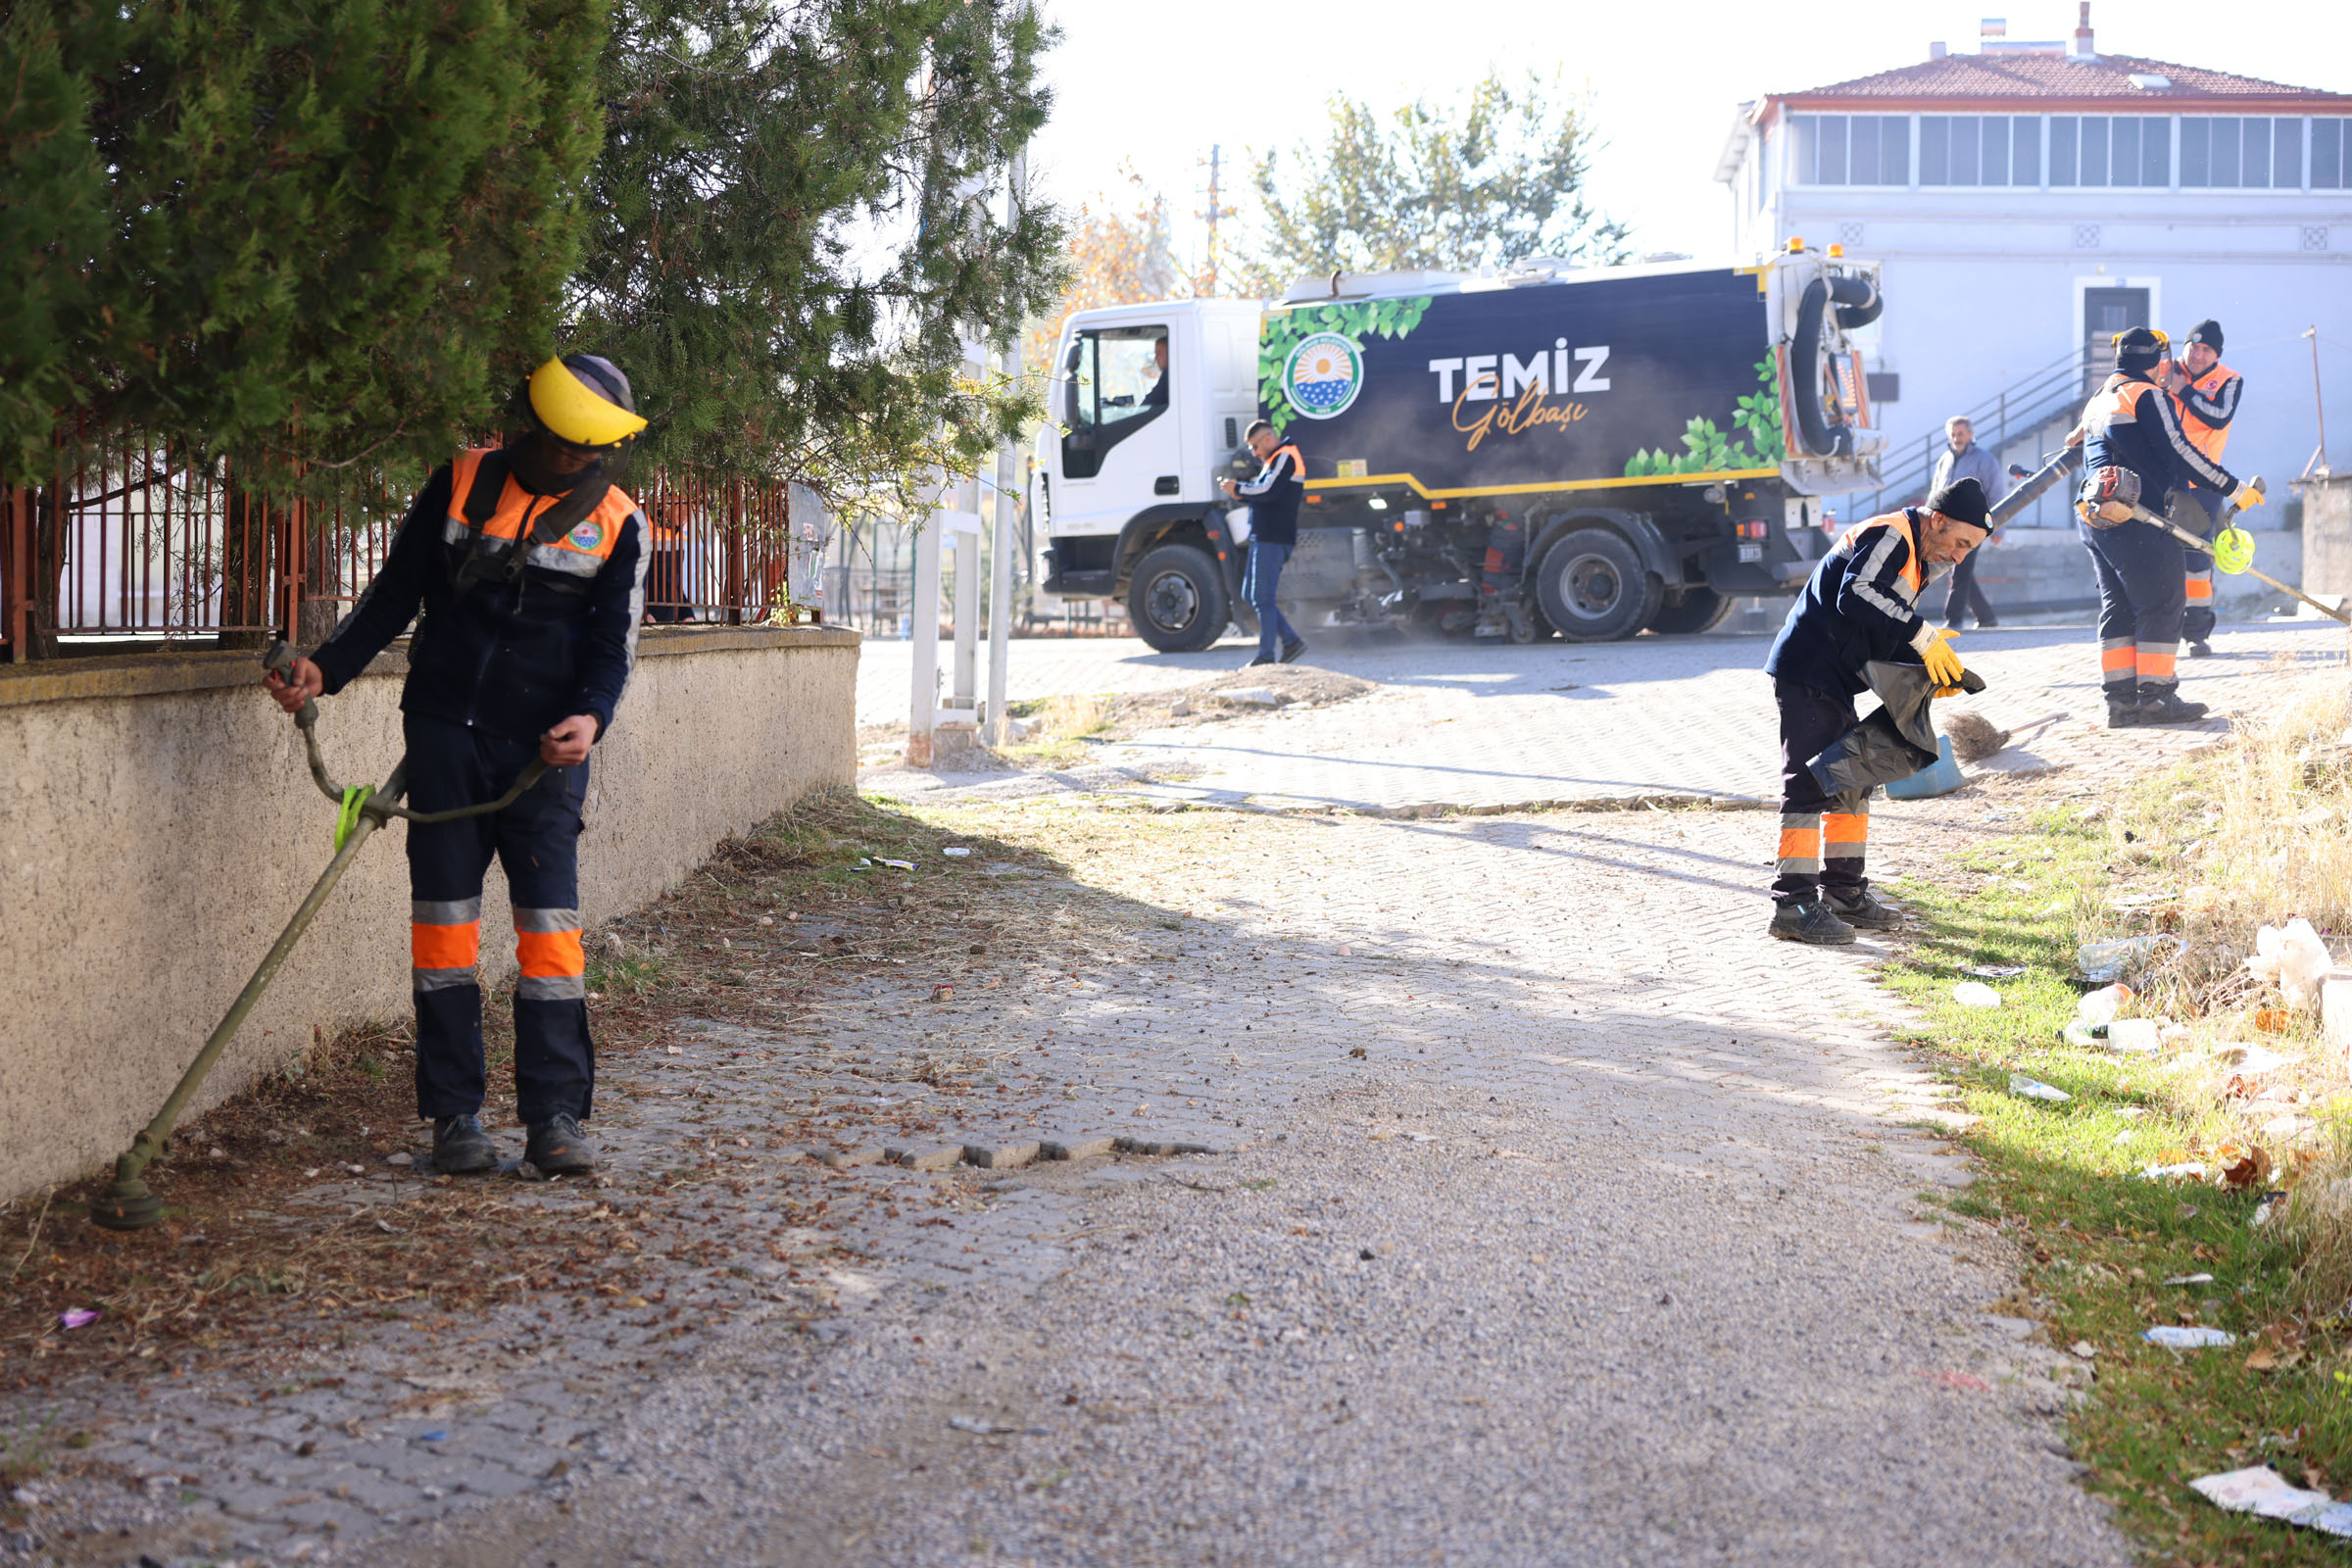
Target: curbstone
(1007,1156)
(849,1158)
(1075,1148)
(937,1157)
(1155,1146)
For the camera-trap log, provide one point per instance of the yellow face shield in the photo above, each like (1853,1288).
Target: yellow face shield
(575,413)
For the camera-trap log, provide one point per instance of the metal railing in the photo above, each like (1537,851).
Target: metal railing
(129,543)
(2020,410)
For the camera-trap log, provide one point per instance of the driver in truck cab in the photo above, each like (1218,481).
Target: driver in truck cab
(1273,493)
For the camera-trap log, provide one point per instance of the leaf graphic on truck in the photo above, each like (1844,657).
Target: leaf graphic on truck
(1709,450)
(1323,379)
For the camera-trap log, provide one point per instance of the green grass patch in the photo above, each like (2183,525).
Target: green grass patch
(2062,1181)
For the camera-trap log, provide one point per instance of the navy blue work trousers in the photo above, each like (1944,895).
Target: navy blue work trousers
(2143,597)
(537,840)
(1260,581)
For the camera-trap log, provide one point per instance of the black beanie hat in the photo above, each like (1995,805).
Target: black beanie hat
(1962,501)
(2208,332)
(2137,349)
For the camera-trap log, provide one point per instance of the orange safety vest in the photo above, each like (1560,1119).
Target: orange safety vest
(2209,439)
(581,553)
(1914,578)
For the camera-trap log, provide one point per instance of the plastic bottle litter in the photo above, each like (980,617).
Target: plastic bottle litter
(2175,1337)
(2263,1492)
(2083,1037)
(2191,1279)
(2135,1035)
(2104,962)
(2291,958)
(1997,971)
(1975,994)
(2035,1089)
(956,849)
(2099,1006)
(2192,1171)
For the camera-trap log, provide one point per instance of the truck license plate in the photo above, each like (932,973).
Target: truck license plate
(1750,553)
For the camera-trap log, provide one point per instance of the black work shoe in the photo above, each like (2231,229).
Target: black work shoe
(1262,658)
(2200,650)
(2123,713)
(1292,650)
(1815,922)
(558,1147)
(2161,704)
(461,1147)
(1864,911)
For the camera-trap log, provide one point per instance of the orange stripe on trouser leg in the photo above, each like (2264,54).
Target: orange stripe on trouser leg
(2113,660)
(445,947)
(550,954)
(2200,588)
(2157,663)
(1801,844)
(1844,834)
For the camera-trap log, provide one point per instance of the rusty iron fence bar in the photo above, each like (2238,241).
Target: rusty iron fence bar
(131,541)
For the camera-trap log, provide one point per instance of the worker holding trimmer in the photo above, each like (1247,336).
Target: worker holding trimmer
(2135,454)
(1861,603)
(2206,392)
(528,565)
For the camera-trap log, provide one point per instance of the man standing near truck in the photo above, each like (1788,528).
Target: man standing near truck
(2206,393)
(1273,493)
(1861,603)
(1963,459)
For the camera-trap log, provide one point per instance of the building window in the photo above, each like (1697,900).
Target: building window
(1852,149)
(2329,144)
(1980,149)
(2226,152)
(2131,150)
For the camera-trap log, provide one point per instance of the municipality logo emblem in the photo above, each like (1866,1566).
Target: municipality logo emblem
(1323,376)
(587,536)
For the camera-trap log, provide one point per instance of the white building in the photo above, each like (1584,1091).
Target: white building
(2029,200)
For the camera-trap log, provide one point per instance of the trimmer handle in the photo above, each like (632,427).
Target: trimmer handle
(280,661)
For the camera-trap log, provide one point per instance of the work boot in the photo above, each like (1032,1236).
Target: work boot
(461,1147)
(558,1147)
(1815,923)
(2161,704)
(1262,658)
(2200,650)
(1292,650)
(2123,713)
(1862,909)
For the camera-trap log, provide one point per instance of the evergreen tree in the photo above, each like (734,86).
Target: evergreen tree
(1498,180)
(798,208)
(287,228)
(1114,257)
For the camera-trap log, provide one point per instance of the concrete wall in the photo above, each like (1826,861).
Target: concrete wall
(158,825)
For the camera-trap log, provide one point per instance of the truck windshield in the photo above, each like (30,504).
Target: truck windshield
(1117,373)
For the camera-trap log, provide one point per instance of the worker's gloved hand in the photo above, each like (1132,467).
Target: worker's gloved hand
(2246,495)
(302,681)
(1944,666)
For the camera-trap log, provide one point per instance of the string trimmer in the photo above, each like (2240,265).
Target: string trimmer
(2232,549)
(127,1205)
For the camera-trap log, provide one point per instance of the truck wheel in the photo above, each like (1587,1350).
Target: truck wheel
(1593,587)
(1177,600)
(1698,610)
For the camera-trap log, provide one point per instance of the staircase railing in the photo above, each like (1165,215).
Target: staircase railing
(2020,410)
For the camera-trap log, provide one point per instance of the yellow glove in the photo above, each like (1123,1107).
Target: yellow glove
(1944,666)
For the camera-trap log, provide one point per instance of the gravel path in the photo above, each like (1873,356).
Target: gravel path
(1560,1219)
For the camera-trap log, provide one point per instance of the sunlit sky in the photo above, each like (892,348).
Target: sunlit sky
(1153,86)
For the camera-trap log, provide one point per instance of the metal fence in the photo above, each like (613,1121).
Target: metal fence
(129,542)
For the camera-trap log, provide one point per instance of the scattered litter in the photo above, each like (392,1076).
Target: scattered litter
(942,992)
(2083,1037)
(437,1435)
(2135,1035)
(1250,697)
(992,1429)
(956,849)
(2035,1089)
(896,865)
(2291,958)
(1345,950)
(2272,1020)
(2187,1171)
(2143,901)
(1975,994)
(2191,1279)
(2175,1337)
(2267,1206)
(1997,971)
(2265,1493)
(403,1158)
(2130,1112)
(2254,1059)
(2104,962)
(2083,1349)
(2243,1167)
(75,1317)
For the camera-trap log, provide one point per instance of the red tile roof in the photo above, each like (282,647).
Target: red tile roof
(2054,81)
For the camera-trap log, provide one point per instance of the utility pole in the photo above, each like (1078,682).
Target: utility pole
(2318,408)
(1216,211)
(999,591)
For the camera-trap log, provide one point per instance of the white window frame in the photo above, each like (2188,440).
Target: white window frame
(2041,169)
(1910,180)
(2302,185)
